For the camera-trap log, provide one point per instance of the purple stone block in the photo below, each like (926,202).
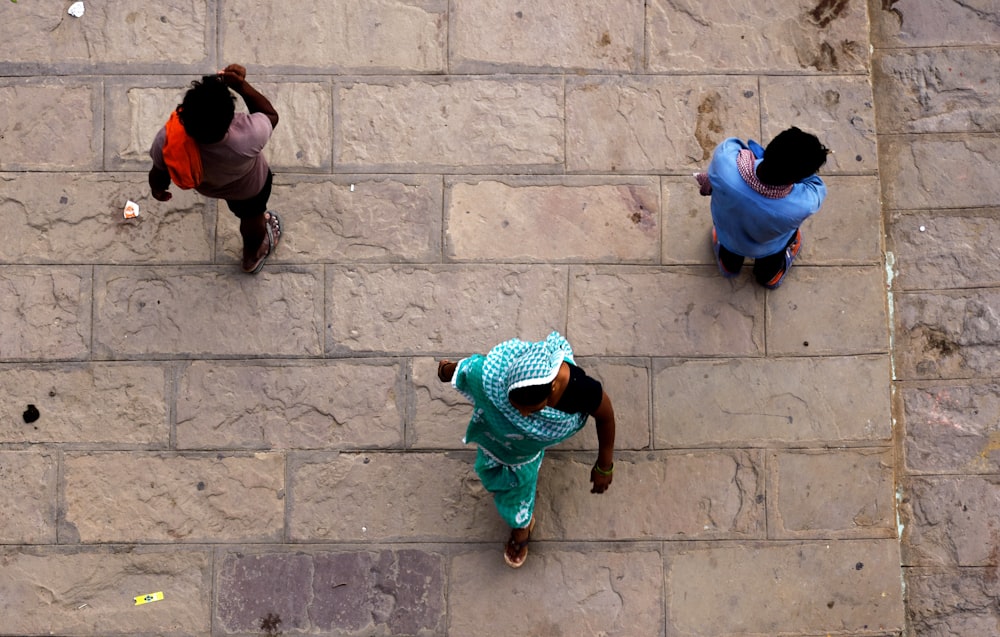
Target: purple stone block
(255,588)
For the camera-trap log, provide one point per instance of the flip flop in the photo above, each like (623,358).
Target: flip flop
(518,546)
(272,242)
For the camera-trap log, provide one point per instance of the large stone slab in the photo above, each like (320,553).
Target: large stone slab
(950,520)
(940,171)
(36,119)
(347,593)
(305,142)
(394,35)
(945,249)
(568,591)
(98,404)
(924,23)
(467,125)
(88,592)
(655,124)
(290,406)
(949,334)
(763,402)
(151,312)
(349,219)
(706,495)
(941,603)
(839,110)
(824,311)
(800,35)
(381,497)
(441,308)
(139,111)
(796,588)
(487,36)
(120,497)
(553,220)
(937,90)
(28,486)
(46,313)
(77,218)
(627,311)
(952,428)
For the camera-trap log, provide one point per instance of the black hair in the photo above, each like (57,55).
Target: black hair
(791,157)
(207,109)
(529,395)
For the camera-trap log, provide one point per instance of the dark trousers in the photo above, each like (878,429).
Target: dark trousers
(764,268)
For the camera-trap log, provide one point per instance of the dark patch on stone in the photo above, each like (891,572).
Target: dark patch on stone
(201,486)
(857,158)
(504,223)
(605,39)
(887,6)
(709,125)
(827,11)
(52,393)
(859,566)
(831,97)
(829,604)
(299,154)
(760,498)
(269,624)
(63,199)
(30,414)
(827,58)
(519,14)
(937,342)
(748,94)
(367,460)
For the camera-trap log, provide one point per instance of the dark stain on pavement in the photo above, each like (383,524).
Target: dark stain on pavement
(269,624)
(30,414)
(708,128)
(827,11)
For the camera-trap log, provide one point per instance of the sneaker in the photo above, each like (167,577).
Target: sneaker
(718,260)
(791,250)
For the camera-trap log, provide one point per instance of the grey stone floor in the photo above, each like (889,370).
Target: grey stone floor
(274,453)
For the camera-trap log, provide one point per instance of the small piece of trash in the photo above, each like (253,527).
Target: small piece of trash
(76,9)
(30,414)
(131,209)
(82,606)
(923,228)
(151,597)
(364,529)
(352,187)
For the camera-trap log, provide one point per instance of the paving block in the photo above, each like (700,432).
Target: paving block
(486,36)
(826,494)
(93,404)
(553,220)
(173,498)
(951,428)
(940,171)
(950,520)
(568,591)
(207,311)
(465,125)
(774,401)
(645,124)
(795,36)
(441,308)
(45,312)
(85,592)
(36,117)
(28,497)
(629,311)
(269,591)
(828,311)
(338,404)
(393,35)
(812,588)
(936,250)
(353,218)
(933,23)
(944,602)
(440,414)
(138,108)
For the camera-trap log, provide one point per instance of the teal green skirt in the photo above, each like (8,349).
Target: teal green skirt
(513,488)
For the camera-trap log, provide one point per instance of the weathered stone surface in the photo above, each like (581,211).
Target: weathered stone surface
(945,249)
(449,125)
(800,588)
(937,90)
(77,218)
(125,32)
(942,603)
(140,111)
(471,309)
(952,428)
(379,497)
(334,405)
(828,311)
(88,592)
(704,495)
(920,23)
(840,111)
(398,35)
(487,36)
(440,414)
(760,402)
(645,125)
(27,498)
(830,494)
(940,171)
(663,312)
(743,35)
(120,497)
(948,334)
(259,589)
(45,312)
(108,405)
(554,220)
(35,120)
(207,311)
(570,592)
(950,520)
(354,218)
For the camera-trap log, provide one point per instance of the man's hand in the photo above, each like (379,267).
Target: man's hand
(234,75)
(162,195)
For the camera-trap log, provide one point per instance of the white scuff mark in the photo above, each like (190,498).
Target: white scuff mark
(352,187)
(76,10)
(923,228)
(890,275)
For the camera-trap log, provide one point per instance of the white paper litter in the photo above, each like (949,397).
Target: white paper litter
(76,9)
(131,209)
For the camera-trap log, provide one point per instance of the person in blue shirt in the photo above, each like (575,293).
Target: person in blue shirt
(760,197)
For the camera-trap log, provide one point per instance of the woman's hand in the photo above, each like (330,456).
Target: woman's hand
(446,370)
(601,478)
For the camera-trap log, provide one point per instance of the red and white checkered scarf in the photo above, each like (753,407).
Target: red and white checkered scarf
(745,163)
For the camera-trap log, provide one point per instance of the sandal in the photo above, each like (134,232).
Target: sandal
(518,547)
(272,223)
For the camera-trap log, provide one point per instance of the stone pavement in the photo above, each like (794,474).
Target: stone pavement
(275,454)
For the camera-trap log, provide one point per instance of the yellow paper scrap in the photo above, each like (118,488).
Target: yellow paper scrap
(145,599)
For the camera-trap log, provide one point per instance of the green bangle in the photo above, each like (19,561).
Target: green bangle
(604,472)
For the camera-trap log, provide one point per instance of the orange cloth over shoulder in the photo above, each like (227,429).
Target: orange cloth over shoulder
(181,155)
